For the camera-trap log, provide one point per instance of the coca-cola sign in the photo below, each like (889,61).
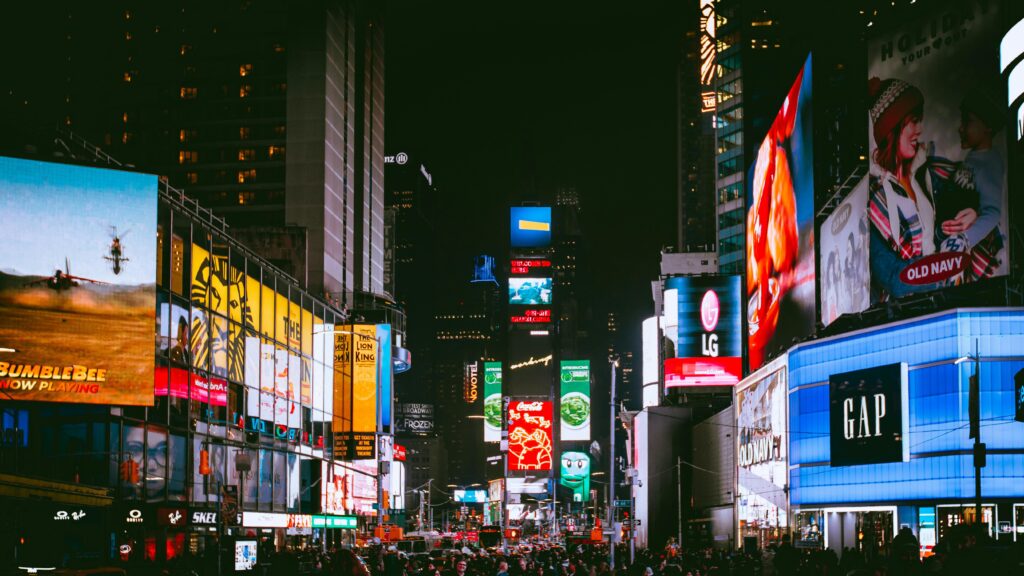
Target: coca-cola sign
(934,268)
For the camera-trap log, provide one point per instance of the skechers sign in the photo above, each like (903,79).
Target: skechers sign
(868,416)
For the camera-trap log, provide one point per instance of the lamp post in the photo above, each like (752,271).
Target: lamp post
(613,363)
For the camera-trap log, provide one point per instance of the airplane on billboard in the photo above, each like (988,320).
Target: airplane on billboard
(116,254)
(62,279)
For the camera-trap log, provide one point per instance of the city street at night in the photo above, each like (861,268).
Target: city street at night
(411,288)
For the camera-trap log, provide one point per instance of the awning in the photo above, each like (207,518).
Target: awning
(24,487)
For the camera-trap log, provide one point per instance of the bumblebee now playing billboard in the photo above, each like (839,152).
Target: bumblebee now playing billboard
(77,284)
(709,346)
(937,195)
(780,229)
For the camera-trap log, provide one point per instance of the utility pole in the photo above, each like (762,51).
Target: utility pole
(679,500)
(974,408)
(613,361)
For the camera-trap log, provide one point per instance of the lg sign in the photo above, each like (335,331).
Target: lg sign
(709,310)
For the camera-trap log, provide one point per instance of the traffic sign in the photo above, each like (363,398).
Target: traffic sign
(622,503)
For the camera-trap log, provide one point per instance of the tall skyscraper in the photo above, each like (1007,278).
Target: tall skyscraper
(270,115)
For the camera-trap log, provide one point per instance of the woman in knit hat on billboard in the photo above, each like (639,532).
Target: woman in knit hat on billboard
(907,187)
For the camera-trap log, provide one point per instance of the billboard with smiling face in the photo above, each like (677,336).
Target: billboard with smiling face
(77,284)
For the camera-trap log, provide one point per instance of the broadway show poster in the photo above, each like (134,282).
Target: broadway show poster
(937,192)
(780,229)
(77,284)
(845,274)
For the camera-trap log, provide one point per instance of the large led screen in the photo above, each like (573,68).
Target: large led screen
(574,474)
(937,196)
(531,366)
(530,441)
(492,401)
(530,226)
(77,284)
(529,291)
(709,342)
(780,229)
(762,451)
(574,407)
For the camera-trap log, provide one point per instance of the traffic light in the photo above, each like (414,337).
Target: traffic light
(204,462)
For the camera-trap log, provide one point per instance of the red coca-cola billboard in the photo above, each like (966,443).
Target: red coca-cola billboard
(530,441)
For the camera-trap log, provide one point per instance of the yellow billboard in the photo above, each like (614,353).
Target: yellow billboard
(355,365)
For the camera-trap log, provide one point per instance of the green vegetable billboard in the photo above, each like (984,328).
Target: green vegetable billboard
(575,404)
(492,401)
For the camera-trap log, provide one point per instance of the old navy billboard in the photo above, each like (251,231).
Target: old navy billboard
(933,210)
(781,303)
(709,346)
(77,284)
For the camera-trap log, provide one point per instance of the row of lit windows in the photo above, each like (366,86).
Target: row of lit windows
(244,133)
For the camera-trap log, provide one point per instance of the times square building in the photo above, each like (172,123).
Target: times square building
(243,412)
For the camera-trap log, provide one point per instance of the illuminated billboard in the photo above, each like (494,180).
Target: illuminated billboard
(356,367)
(844,246)
(530,441)
(762,446)
(937,195)
(574,407)
(77,284)
(708,331)
(532,316)
(470,496)
(868,416)
(492,401)
(574,473)
(529,267)
(529,291)
(530,226)
(531,365)
(780,229)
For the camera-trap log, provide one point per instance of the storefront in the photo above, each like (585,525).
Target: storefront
(879,431)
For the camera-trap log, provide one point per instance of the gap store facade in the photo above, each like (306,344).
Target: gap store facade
(879,430)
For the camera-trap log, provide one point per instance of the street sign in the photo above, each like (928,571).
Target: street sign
(622,503)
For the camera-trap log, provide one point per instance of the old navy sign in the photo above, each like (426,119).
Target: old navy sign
(868,416)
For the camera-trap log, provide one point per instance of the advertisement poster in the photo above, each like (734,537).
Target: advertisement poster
(530,226)
(574,408)
(780,229)
(77,284)
(531,366)
(492,401)
(529,291)
(415,418)
(355,364)
(937,109)
(845,273)
(869,416)
(574,473)
(530,441)
(709,336)
(761,452)
(245,555)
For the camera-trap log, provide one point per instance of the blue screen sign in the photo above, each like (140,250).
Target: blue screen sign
(531,226)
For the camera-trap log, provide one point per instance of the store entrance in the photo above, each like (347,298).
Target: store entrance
(867,531)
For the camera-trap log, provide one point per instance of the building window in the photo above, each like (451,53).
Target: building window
(275,152)
(126,137)
(244,132)
(185,49)
(246,198)
(188,157)
(281,87)
(246,175)
(244,70)
(127,35)
(278,48)
(244,90)
(127,76)
(189,92)
(279,130)
(192,177)
(187,135)
(246,155)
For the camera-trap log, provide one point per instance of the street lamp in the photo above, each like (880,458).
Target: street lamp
(613,363)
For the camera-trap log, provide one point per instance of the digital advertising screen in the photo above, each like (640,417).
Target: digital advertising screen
(780,241)
(530,267)
(762,450)
(574,473)
(709,333)
(530,435)
(530,226)
(77,284)
(492,401)
(246,555)
(529,291)
(470,496)
(869,416)
(531,365)
(936,123)
(574,407)
(532,316)
(355,378)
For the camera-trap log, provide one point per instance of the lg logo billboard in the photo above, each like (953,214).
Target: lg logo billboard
(709,310)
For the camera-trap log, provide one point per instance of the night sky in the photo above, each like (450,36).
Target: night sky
(509,101)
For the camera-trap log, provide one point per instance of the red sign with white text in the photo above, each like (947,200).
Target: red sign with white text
(399,453)
(532,316)
(530,440)
(526,266)
(703,371)
(212,391)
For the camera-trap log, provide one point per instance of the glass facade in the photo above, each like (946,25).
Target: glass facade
(940,467)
